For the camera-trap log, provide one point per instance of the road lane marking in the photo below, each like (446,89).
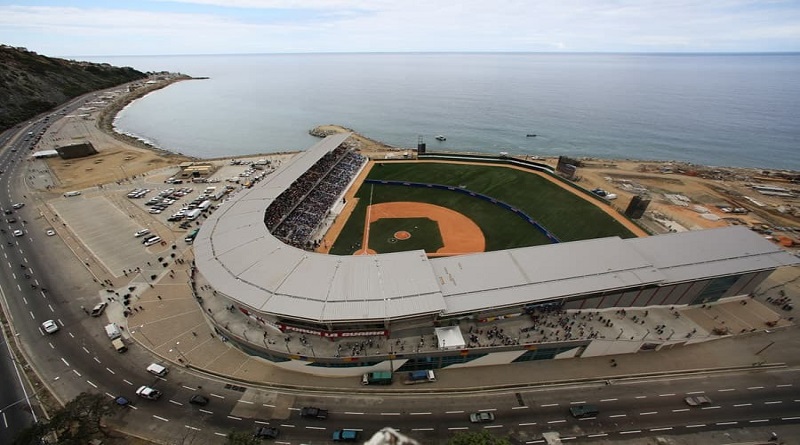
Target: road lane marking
(759,421)
(354,413)
(457,428)
(711,407)
(630,432)
(51,345)
(497,426)
(192,428)
(454,412)
(5,421)
(726,390)
(25,300)
(127,382)
(32,316)
(519,407)
(390,414)
(97,360)
(109,370)
(205,411)
(85,350)
(176,403)
(535,441)
(268,405)
(245,401)
(51,308)
(608,400)
(62,325)
(89,382)
(421,414)
(261,422)
(598,435)
(189,388)
(666,428)
(755,387)
(578,403)
(528,424)
(160,418)
(665,395)
(785,385)
(649,413)
(619,415)
(739,405)
(286,425)
(790,418)
(221,434)
(556,421)
(234,418)
(699,425)
(696,392)
(111,395)
(640,397)
(76,372)
(323,428)
(774,402)
(726,423)
(569,438)
(680,410)
(217,396)
(70,334)
(549,405)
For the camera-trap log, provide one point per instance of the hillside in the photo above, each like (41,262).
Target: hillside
(31,83)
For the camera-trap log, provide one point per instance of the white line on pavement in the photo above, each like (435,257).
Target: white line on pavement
(76,372)
(680,410)
(322,428)
(630,432)
(578,403)
(221,434)
(192,428)
(618,415)
(557,421)
(109,370)
(527,424)
(640,397)
(287,425)
(726,390)
(711,407)
(205,411)
(699,425)
(519,407)
(354,413)
(774,402)
(390,414)
(32,316)
(189,388)
(666,428)
(245,401)
(89,382)
(217,396)
(97,360)
(696,392)
(51,308)
(549,404)
(785,385)
(649,413)
(459,428)
(85,350)
(176,403)
(739,405)
(419,414)
(726,423)
(665,395)
(598,435)
(755,387)
(51,345)
(261,422)
(234,418)
(127,382)
(790,418)
(160,418)
(608,400)
(496,426)
(759,421)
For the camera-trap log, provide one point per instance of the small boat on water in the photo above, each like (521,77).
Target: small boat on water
(440,138)
(530,135)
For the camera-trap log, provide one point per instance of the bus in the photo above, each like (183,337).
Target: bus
(191,236)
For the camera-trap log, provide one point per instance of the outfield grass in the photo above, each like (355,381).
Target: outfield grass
(566,215)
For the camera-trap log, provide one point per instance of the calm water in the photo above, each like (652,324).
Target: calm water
(738,110)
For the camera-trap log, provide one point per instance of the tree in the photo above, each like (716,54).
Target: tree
(241,438)
(79,421)
(482,437)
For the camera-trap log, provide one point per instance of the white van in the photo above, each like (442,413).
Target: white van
(112,330)
(204,205)
(69,194)
(156,369)
(193,214)
(153,240)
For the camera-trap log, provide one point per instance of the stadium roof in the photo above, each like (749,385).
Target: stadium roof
(240,258)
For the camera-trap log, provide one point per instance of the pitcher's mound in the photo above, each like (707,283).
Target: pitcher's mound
(402,235)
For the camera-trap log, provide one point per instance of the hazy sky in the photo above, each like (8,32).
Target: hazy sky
(151,27)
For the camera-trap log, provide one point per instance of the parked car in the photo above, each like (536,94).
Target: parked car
(19,205)
(481,417)
(18,232)
(140,233)
(50,232)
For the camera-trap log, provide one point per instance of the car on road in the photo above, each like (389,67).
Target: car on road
(697,400)
(140,233)
(199,400)
(265,432)
(18,205)
(122,401)
(157,370)
(152,241)
(18,232)
(11,220)
(98,309)
(50,232)
(311,412)
(8,211)
(70,194)
(481,417)
(50,326)
(148,392)
(583,411)
(345,435)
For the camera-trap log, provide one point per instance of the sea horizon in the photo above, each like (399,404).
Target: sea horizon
(716,109)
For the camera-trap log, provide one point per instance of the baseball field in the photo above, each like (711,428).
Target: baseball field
(480,208)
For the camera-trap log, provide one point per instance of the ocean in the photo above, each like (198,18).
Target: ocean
(738,110)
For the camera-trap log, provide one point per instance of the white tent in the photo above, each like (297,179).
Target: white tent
(450,338)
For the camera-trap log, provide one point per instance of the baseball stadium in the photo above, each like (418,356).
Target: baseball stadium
(333,245)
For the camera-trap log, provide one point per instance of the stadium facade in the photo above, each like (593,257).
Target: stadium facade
(292,289)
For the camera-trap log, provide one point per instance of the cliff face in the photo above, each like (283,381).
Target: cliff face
(31,83)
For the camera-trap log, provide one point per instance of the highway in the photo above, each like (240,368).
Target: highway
(41,279)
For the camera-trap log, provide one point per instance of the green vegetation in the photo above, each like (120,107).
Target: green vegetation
(31,83)
(482,437)
(78,422)
(566,215)
(424,232)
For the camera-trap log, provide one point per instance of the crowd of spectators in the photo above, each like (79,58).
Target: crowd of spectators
(299,211)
